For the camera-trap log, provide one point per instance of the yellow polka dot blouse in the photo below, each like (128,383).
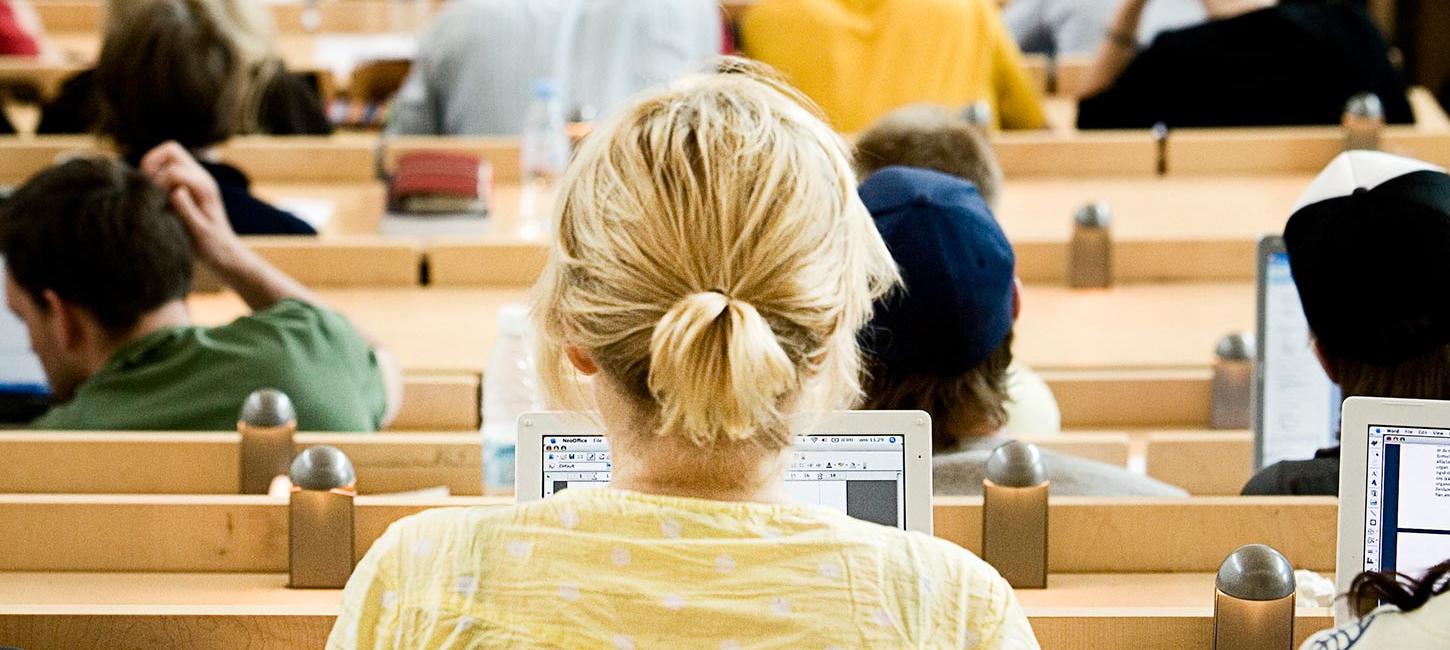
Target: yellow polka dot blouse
(607,568)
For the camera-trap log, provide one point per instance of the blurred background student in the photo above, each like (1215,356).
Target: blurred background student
(1254,63)
(478,63)
(861,59)
(170,70)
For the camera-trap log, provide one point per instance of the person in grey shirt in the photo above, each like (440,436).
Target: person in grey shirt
(944,344)
(960,472)
(477,63)
(1078,27)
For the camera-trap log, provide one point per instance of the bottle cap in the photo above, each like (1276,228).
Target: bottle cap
(978,113)
(545,88)
(267,407)
(1097,214)
(1238,346)
(322,468)
(1365,105)
(1256,572)
(1016,464)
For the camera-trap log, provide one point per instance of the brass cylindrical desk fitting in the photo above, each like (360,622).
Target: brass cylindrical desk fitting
(1090,254)
(320,519)
(1363,121)
(1014,515)
(1253,603)
(267,423)
(1232,390)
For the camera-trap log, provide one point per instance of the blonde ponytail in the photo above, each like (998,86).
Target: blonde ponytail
(713,259)
(716,366)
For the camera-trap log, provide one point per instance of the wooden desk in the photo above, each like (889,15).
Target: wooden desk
(40,610)
(248,534)
(1204,463)
(87,17)
(1200,223)
(207,463)
(72,462)
(432,330)
(439,330)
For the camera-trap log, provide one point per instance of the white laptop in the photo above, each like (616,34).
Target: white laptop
(24,393)
(872,465)
(1296,406)
(1394,488)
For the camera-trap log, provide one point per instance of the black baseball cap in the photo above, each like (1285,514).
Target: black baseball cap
(958,269)
(1369,244)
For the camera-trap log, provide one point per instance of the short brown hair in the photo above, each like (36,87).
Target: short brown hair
(964,406)
(169,71)
(930,137)
(100,235)
(1423,377)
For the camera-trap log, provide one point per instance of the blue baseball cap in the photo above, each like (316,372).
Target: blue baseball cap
(956,307)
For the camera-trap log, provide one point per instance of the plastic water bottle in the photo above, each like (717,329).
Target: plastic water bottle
(510,387)
(544,153)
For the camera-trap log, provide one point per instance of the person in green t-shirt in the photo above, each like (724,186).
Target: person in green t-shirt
(99,261)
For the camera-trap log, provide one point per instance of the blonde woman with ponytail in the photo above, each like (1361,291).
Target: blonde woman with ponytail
(711,270)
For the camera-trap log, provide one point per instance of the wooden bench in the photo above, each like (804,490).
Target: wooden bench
(1204,463)
(87,17)
(1137,327)
(1133,356)
(207,463)
(248,534)
(127,610)
(1198,223)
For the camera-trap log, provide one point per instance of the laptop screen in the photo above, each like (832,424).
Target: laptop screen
(20,370)
(1298,405)
(858,474)
(1407,499)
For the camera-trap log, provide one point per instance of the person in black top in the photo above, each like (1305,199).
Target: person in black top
(168,71)
(1257,64)
(290,105)
(1367,246)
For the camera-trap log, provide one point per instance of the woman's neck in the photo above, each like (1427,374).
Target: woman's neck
(672,466)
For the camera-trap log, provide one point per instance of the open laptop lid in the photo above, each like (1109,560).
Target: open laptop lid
(1296,406)
(1394,488)
(872,465)
(24,393)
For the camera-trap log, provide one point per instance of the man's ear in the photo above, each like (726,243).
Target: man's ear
(1016,298)
(64,320)
(581,360)
(1324,361)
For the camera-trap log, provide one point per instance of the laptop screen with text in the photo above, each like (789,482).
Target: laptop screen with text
(859,474)
(1406,499)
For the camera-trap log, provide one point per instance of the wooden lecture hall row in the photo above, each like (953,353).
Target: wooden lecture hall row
(141,539)
(112,567)
(337,36)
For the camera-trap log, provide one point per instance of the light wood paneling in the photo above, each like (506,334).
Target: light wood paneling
(207,463)
(1205,463)
(248,534)
(44,610)
(1132,398)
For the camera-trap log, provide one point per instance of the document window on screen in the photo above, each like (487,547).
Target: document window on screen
(1300,406)
(1407,499)
(860,475)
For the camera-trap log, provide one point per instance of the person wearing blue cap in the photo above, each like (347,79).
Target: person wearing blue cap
(932,137)
(944,343)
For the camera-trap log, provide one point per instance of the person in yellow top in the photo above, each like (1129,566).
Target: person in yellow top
(860,59)
(711,270)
